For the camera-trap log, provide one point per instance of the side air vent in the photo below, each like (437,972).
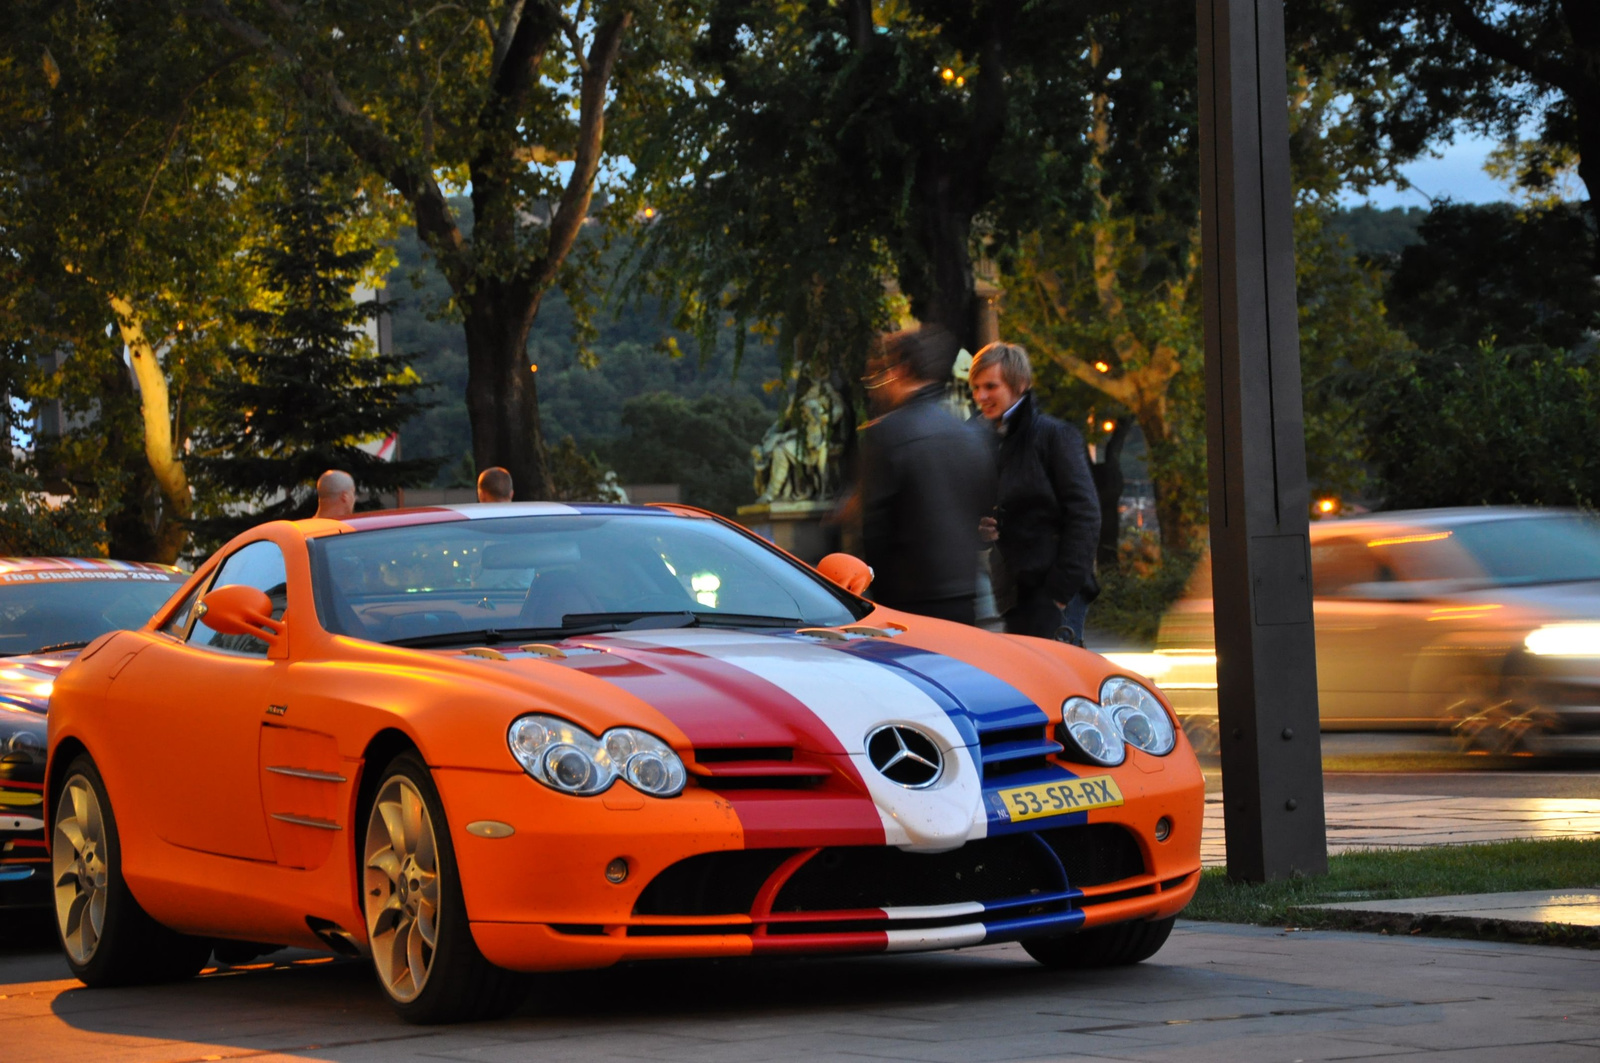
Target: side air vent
(755,767)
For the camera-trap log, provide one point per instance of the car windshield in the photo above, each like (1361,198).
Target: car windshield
(60,609)
(1545,549)
(545,575)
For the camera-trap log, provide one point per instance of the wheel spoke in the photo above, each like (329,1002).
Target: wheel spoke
(418,952)
(428,926)
(428,889)
(411,807)
(80,800)
(74,918)
(384,860)
(394,824)
(399,952)
(69,831)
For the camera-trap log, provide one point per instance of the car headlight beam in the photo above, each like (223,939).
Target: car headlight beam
(567,758)
(1564,640)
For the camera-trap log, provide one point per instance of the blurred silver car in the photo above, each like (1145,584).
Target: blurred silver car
(1481,622)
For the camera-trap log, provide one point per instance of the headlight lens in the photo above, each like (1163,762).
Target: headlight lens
(1564,640)
(1140,717)
(565,757)
(27,743)
(1089,732)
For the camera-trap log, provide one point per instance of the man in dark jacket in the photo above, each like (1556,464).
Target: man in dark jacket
(926,480)
(1047,518)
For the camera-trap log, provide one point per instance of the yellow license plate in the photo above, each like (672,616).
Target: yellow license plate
(1059,798)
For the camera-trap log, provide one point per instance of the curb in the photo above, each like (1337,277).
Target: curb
(1478,928)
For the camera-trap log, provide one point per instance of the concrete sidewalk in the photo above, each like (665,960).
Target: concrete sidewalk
(1413,821)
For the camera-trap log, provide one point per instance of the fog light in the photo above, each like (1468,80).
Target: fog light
(1163,829)
(617,870)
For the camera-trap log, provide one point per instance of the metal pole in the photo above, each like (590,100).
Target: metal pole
(1260,501)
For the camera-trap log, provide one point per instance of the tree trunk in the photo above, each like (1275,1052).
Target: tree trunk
(944,296)
(159,449)
(1168,482)
(502,395)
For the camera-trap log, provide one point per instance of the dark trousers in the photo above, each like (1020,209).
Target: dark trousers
(1038,615)
(963,610)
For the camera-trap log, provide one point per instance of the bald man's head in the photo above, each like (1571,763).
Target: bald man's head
(336,495)
(494,485)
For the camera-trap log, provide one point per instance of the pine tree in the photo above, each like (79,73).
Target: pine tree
(310,387)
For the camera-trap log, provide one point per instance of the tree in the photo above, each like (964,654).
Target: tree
(489,95)
(703,444)
(307,388)
(125,142)
(1486,426)
(1494,65)
(828,146)
(1494,272)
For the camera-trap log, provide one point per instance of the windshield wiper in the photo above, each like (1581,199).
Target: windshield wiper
(76,644)
(635,621)
(488,636)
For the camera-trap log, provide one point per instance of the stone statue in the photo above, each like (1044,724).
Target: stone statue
(794,460)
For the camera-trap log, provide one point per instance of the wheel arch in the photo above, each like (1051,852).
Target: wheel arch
(61,758)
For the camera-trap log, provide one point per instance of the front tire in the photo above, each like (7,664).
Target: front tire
(422,946)
(108,939)
(1117,945)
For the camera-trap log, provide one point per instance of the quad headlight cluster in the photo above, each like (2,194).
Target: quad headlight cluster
(1127,714)
(565,757)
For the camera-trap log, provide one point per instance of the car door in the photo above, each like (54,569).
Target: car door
(189,708)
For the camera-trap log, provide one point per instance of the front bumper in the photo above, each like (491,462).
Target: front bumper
(539,899)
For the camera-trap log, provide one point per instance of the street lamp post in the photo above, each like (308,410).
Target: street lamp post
(1259,499)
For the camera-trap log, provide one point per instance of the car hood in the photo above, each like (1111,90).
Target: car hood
(777,702)
(26,681)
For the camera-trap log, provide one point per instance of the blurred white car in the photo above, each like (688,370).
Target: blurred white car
(1481,622)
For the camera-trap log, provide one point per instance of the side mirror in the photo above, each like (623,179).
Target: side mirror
(848,571)
(240,610)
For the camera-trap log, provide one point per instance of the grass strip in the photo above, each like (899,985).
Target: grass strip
(1388,874)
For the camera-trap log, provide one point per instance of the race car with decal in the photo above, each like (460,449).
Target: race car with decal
(50,608)
(474,742)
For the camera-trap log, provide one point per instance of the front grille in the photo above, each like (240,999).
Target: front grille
(879,877)
(1009,750)
(711,883)
(1096,853)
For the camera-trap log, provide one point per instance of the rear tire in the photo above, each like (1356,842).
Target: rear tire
(1117,945)
(107,938)
(422,948)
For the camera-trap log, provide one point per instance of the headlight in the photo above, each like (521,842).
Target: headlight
(565,757)
(1140,717)
(27,744)
(1564,640)
(1089,732)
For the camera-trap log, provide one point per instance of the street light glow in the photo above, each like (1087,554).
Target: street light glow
(1102,367)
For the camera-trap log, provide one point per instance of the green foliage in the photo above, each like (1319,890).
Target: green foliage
(1486,426)
(1378,233)
(627,356)
(578,477)
(1436,871)
(308,387)
(34,524)
(703,444)
(1138,592)
(1500,274)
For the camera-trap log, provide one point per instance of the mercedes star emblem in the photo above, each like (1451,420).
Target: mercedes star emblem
(905,755)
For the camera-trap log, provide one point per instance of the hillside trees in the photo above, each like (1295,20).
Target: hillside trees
(506,98)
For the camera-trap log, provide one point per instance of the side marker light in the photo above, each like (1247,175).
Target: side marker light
(1163,829)
(617,871)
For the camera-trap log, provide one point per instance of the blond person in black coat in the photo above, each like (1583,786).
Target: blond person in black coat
(1047,515)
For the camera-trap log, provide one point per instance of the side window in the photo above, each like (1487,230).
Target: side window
(1343,564)
(178,626)
(258,565)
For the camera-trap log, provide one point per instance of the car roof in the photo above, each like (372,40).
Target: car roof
(84,566)
(372,520)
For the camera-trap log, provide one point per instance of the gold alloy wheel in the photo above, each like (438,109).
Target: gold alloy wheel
(401,888)
(79,870)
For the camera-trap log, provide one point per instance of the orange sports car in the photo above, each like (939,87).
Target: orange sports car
(473,742)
